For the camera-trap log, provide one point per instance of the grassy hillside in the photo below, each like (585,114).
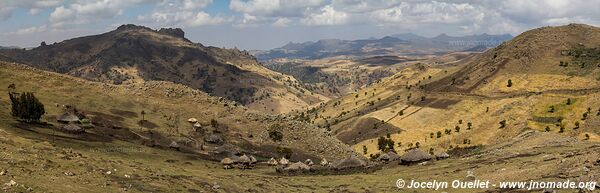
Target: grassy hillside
(466,101)
(167,106)
(134,54)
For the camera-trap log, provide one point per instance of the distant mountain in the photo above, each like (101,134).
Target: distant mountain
(133,54)
(404,44)
(8,47)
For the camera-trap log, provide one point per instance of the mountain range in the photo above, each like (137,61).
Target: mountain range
(398,44)
(133,53)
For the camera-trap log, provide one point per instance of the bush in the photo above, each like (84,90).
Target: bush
(26,107)
(285,152)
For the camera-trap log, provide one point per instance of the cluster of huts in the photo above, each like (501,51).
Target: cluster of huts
(284,165)
(71,122)
(411,156)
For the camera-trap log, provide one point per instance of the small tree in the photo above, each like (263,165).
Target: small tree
(509,83)
(502,124)
(576,125)
(551,109)
(569,101)
(365,149)
(469,125)
(562,129)
(431,135)
(547,128)
(457,129)
(26,107)
(587,136)
(439,134)
(143,113)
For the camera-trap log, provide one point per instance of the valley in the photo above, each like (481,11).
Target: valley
(143,110)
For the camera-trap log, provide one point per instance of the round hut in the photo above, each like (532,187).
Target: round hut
(414,156)
(442,155)
(351,162)
(67,118)
(192,120)
(272,162)
(244,161)
(283,161)
(309,162)
(227,163)
(298,166)
(324,162)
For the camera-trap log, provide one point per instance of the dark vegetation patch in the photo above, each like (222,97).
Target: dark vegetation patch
(383,60)
(436,103)
(363,129)
(147,124)
(124,113)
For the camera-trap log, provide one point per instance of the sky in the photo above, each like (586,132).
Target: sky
(266,24)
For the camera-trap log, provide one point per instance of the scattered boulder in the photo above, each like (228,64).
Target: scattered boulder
(11,183)
(470,176)
(272,162)
(351,162)
(414,156)
(442,155)
(192,120)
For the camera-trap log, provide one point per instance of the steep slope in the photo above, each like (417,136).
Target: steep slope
(134,54)
(437,105)
(114,110)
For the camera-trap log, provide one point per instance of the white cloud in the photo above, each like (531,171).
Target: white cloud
(327,16)
(275,8)
(282,22)
(182,13)
(7,7)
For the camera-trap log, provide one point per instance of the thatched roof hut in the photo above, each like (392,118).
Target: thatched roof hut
(309,162)
(383,157)
(71,128)
(351,162)
(227,162)
(192,120)
(197,125)
(174,145)
(414,156)
(324,162)
(283,161)
(393,156)
(442,155)
(272,162)
(298,166)
(244,159)
(67,118)
(253,160)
